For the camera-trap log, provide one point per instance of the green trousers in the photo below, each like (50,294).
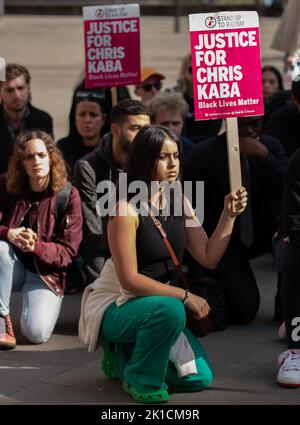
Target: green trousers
(145,329)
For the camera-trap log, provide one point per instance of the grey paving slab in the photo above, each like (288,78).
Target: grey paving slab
(88,375)
(64,348)
(28,392)
(47,393)
(52,354)
(244,357)
(234,396)
(17,375)
(7,400)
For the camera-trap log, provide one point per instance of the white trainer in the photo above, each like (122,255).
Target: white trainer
(289,368)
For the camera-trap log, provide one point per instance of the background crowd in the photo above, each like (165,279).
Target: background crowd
(96,149)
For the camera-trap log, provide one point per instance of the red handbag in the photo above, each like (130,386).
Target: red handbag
(199,327)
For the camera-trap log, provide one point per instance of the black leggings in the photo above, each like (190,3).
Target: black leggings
(291,296)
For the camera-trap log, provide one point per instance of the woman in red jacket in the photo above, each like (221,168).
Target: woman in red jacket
(36,245)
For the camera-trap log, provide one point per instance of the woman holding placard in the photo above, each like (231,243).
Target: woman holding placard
(135,305)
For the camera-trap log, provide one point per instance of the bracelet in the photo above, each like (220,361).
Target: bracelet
(186,297)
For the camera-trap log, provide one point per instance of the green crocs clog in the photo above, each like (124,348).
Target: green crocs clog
(108,360)
(159,396)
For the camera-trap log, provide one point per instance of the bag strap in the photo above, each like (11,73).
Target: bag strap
(164,236)
(62,201)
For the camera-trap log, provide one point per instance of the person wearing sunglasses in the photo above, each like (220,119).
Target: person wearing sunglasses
(85,131)
(150,85)
(88,119)
(122,93)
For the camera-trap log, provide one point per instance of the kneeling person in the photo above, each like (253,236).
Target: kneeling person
(36,246)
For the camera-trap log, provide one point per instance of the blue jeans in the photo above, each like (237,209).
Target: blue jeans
(40,306)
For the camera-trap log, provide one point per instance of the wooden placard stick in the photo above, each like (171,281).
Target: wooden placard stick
(233,154)
(114,96)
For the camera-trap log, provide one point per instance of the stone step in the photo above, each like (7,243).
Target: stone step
(148,7)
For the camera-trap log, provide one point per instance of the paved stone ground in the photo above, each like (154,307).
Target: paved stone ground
(61,371)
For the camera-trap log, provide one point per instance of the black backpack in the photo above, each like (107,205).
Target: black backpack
(76,276)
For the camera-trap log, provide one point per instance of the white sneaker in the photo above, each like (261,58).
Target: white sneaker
(281,335)
(289,368)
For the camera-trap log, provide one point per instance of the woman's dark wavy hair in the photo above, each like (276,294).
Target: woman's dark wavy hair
(74,133)
(145,151)
(17,179)
(276,72)
(143,159)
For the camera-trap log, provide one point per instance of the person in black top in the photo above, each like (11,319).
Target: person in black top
(272,81)
(143,314)
(284,123)
(122,93)
(16,112)
(274,95)
(263,163)
(85,131)
(289,360)
(105,163)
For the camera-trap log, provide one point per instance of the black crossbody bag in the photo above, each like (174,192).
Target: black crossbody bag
(199,327)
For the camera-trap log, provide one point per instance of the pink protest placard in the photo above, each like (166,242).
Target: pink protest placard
(225,52)
(112,45)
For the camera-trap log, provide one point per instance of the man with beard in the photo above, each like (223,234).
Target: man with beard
(104,163)
(16,112)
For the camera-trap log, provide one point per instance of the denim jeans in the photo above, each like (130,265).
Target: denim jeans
(40,306)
